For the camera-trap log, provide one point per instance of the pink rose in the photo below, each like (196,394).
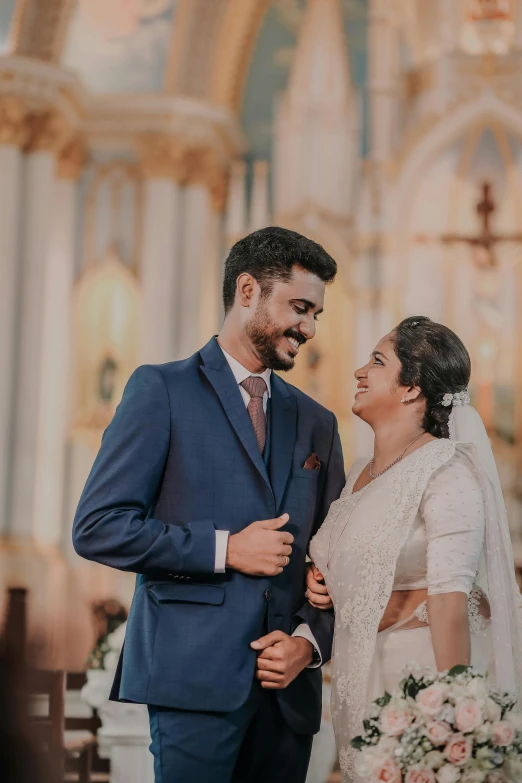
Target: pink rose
(468,715)
(503,733)
(458,749)
(430,700)
(438,732)
(420,775)
(394,720)
(386,771)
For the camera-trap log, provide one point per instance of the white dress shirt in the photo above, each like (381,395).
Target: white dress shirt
(240,374)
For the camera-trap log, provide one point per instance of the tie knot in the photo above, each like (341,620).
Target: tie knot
(254,385)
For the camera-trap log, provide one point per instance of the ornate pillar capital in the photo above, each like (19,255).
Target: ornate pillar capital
(204,167)
(48,131)
(72,158)
(157,156)
(14,129)
(165,156)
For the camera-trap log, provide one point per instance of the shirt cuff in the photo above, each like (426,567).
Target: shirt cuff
(304,631)
(221,551)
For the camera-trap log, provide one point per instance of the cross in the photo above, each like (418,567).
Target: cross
(486,239)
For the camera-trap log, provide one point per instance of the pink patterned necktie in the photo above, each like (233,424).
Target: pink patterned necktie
(256,387)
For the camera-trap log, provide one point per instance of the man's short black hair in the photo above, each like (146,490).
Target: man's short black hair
(270,254)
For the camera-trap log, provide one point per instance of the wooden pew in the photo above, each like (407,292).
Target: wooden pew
(100,767)
(70,751)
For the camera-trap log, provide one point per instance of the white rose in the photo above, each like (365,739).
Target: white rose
(473,776)
(448,774)
(477,688)
(493,711)
(447,714)
(434,759)
(365,762)
(513,770)
(483,733)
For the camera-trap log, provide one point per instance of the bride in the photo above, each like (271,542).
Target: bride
(415,556)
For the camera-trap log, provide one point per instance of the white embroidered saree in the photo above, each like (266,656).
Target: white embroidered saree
(357,550)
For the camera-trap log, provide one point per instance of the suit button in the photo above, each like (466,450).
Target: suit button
(267,595)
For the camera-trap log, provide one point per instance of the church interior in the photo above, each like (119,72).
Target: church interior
(139,139)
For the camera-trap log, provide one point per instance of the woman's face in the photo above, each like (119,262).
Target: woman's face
(378,389)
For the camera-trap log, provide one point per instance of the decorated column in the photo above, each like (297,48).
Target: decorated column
(383,79)
(203,198)
(260,209)
(160,251)
(47,137)
(13,129)
(236,221)
(53,413)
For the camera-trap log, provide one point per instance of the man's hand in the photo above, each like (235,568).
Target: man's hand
(281,658)
(260,549)
(316,590)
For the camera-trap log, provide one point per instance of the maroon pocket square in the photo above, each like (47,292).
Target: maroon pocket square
(312,463)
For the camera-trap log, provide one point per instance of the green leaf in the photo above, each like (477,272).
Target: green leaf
(358,743)
(458,669)
(383,700)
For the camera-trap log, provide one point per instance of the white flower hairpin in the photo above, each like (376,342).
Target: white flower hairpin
(458,398)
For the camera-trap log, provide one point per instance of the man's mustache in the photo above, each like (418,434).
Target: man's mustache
(301,339)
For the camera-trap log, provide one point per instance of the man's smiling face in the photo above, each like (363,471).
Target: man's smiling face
(285,318)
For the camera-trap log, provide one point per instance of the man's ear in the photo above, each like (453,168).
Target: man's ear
(245,289)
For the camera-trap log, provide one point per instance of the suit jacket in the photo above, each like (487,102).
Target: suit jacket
(178,462)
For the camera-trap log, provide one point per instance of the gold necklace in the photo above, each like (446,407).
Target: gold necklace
(395,461)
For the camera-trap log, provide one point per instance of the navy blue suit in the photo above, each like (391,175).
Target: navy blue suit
(178,462)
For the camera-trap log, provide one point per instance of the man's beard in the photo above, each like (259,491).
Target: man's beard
(263,334)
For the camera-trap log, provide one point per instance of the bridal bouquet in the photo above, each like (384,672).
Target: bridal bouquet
(441,728)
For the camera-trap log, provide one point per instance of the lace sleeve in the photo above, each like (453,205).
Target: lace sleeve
(453,511)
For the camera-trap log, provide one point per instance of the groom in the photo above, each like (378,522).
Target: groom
(211,479)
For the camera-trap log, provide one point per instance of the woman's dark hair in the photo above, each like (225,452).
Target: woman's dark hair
(435,359)
(270,254)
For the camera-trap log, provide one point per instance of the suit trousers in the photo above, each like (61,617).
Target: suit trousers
(250,745)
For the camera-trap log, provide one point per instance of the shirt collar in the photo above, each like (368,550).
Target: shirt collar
(241,373)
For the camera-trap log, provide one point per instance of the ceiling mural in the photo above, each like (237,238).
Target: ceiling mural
(120,45)
(272,59)
(6,14)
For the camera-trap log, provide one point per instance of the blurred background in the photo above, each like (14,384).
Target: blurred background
(140,138)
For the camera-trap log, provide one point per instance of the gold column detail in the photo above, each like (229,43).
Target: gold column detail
(14,127)
(48,132)
(72,158)
(157,156)
(204,167)
(186,162)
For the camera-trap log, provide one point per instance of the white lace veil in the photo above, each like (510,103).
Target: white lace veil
(467,427)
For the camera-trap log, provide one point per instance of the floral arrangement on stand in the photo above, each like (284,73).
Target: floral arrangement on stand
(450,727)
(110,620)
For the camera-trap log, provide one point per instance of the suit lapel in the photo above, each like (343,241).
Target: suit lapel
(283,437)
(220,376)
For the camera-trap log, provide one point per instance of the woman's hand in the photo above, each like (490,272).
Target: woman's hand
(316,590)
